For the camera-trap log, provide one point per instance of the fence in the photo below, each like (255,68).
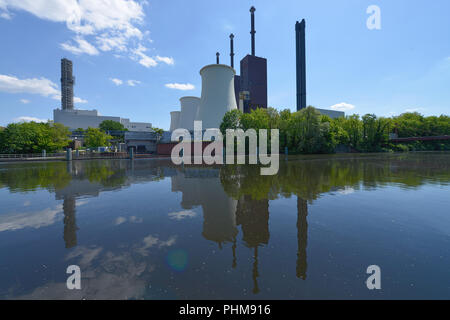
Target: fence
(76,155)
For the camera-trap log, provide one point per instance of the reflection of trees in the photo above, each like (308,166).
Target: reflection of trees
(308,177)
(24,177)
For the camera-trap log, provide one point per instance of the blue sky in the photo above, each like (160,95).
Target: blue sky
(132,58)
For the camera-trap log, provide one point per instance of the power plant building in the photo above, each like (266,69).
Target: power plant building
(251,89)
(83,119)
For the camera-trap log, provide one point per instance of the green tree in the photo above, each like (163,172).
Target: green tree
(110,125)
(159,132)
(95,138)
(33,137)
(231,120)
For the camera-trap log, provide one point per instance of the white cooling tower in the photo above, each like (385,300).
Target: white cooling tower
(218,95)
(189,107)
(174,120)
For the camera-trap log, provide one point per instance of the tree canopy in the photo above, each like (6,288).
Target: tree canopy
(33,137)
(95,138)
(110,125)
(308,131)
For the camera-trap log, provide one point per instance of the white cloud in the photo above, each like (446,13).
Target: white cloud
(85,16)
(79,100)
(119,82)
(182,215)
(5,15)
(166,60)
(342,107)
(140,56)
(82,47)
(116,81)
(29,119)
(412,110)
(25,101)
(106,25)
(133,83)
(42,86)
(180,86)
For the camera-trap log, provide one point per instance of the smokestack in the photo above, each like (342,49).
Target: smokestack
(301,64)
(232,50)
(217,57)
(252,32)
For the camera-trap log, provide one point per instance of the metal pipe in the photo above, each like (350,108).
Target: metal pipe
(232,50)
(252,32)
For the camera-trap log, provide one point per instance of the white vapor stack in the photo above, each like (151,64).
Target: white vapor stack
(174,120)
(218,96)
(189,107)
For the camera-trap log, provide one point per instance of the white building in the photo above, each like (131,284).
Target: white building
(333,114)
(84,119)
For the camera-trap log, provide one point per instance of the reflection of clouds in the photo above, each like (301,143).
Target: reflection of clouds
(120,220)
(87,255)
(152,241)
(346,190)
(180,215)
(132,219)
(113,276)
(33,219)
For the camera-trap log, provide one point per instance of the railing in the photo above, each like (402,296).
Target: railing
(32,156)
(76,155)
(99,155)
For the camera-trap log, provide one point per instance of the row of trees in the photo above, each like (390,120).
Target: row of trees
(307,131)
(34,137)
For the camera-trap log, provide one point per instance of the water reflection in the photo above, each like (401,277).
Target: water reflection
(234,202)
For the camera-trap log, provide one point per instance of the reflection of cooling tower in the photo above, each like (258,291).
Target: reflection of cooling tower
(218,96)
(189,107)
(174,120)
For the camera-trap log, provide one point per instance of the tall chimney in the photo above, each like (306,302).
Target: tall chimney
(252,32)
(217,57)
(301,63)
(232,49)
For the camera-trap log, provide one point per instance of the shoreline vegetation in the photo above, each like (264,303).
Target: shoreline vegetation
(303,132)
(309,132)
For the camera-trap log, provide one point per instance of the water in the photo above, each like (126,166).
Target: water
(151,230)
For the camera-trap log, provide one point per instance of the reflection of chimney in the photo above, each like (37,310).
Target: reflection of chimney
(252,32)
(234,254)
(255,273)
(302,237)
(70,225)
(232,49)
(217,57)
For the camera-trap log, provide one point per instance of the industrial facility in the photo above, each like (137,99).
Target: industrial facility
(83,119)
(224,90)
(300,46)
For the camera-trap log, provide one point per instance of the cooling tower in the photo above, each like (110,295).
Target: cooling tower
(218,96)
(174,120)
(189,107)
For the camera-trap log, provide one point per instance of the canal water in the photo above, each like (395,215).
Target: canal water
(147,229)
